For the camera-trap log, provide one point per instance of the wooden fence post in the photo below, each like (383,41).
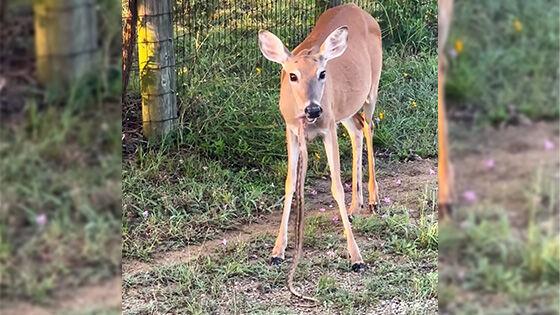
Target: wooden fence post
(66,41)
(156,60)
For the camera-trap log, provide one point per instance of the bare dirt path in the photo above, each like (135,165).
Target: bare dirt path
(401,183)
(500,167)
(103,297)
(405,186)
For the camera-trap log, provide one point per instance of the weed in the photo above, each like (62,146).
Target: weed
(499,69)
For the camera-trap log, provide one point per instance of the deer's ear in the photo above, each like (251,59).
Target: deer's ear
(335,44)
(272,47)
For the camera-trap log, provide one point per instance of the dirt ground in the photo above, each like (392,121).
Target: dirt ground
(93,299)
(517,152)
(414,177)
(404,183)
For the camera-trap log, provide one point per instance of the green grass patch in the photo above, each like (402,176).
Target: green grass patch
(238,277)
(227,163)
(509,60)
(174,199)
(60,174)
(489,260)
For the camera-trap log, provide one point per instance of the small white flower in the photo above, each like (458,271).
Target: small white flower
(453,53)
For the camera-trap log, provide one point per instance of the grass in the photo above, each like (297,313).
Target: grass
(237,278)
(503,268)
(509,61)
(217,198)
(227,163)
(235,119)
(503,64)
(60,165)
(60,171)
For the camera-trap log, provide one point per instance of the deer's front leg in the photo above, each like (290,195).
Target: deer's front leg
(282,238)
(445,176)
(331,148)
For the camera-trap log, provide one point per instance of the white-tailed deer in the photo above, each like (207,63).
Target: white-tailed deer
(445,175)
(329,78)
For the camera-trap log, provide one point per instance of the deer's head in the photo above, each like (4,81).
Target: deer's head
(306,72)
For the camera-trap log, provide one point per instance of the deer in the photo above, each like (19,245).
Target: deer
(445,171)
(331,77)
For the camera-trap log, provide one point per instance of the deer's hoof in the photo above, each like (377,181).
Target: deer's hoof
(276,261)
(359,267)
(373,207)
(445,210)
(350,218)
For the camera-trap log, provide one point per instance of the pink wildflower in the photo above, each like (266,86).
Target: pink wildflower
(489,164)
(41,219)
(548,145)
(470,196)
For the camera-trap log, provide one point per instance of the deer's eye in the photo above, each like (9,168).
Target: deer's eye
(293,77)
(322,75)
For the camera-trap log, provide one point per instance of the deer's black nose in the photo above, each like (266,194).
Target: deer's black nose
(313,111)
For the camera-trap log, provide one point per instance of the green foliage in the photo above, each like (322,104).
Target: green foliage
(230,92)
(165,185)
(232,140)
(60,168)
(407,26)
(63,163)
(509,61)
(495,259)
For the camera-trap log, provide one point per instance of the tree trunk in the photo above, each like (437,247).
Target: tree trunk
(66,41)
(3,10)
(156,59)
(130,22)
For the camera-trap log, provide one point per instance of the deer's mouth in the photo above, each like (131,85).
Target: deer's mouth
(311,120)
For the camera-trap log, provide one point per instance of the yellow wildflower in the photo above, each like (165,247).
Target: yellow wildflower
(317,156)
(413,103)
(517,25)
(259,70)
(381,115)
(459,46)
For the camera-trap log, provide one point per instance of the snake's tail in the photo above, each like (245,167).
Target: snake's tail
(299,220)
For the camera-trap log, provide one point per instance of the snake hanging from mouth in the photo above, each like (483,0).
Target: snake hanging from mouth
(300,181)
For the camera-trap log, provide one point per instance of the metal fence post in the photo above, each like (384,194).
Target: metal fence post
(156,61)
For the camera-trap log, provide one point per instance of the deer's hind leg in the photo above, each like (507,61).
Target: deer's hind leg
(354,126)
(369,108)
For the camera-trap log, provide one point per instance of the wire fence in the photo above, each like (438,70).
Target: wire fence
(227,31)
(221,35)
(217,33)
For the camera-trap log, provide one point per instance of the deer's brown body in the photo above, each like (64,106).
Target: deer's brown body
(328,79)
